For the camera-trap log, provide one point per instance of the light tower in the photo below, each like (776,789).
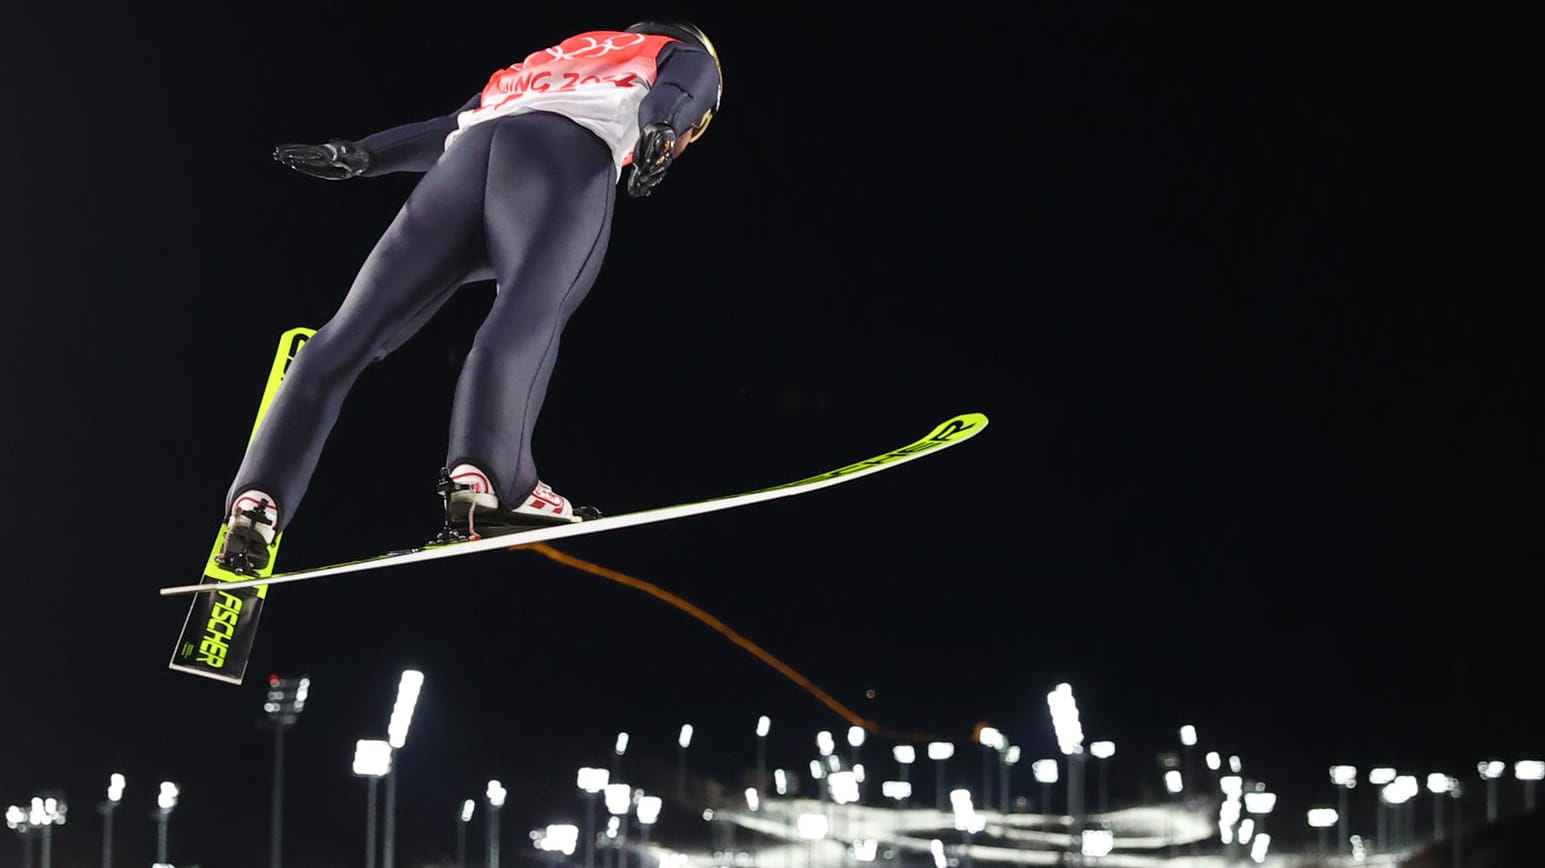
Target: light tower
(463,817)
(939,752)
(1070,740)
(408,686)
(683,741)
(166,802)
(905,755)
(592,781)
(1322,819)
(1530,772)
(495,794)
(1103,751)
(372,761)
(1343,778)
(285,700)
(1490,771)
(115,786)
(763,727)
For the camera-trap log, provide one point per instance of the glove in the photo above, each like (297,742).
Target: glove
(338,160)
(652,155)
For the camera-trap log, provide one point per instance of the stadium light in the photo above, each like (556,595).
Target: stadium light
(463,817)
(1490,771)
(115,787)
(939,752)
(763,727)
(372,761)
(647,809)
(1343,778)
(905,755)
(1070,740)
(843,787)
(409,685)
(825,743)
(1530,772)
(1323,819)
(166,801)
(494,794)
(592,781)
(683,741)
(1103,751)
(1097,843)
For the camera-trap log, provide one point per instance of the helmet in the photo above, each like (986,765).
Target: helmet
(692,35)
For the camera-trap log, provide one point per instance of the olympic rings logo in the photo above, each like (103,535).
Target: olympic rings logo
(582,47)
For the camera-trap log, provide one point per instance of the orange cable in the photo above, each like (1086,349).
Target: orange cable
(756,650)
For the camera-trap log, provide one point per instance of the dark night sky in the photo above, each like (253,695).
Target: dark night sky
(1244,294)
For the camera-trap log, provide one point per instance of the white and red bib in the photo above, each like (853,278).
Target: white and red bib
(597,79)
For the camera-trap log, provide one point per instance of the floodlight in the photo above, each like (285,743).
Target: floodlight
(1323,818)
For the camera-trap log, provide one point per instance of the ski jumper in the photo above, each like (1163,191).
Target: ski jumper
(518,187)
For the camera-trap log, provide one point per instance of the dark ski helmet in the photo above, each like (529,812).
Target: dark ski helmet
(692,35)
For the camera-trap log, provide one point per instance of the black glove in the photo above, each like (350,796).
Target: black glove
(338,160)
(651,157)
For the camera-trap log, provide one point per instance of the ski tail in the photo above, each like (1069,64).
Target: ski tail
(217,636)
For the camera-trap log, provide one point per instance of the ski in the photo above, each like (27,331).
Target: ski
(217,636)
(948,433)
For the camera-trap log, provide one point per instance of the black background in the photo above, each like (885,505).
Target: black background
(1248,295)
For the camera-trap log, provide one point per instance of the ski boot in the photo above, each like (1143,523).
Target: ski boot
(249,532)
(473,511)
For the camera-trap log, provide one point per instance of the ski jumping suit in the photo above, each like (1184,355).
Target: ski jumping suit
(518,188)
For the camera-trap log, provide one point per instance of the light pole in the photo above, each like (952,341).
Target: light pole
(1010,758)
(855,747)
(1343,778)
(1045,773)
(1230,827)
(1396,793)
(115,785)
(1070,740)
(285,701)
(619,750)
(1530,772)
(1322,819)
(1379,778)
(683,741)
(558,838)
(463,817)
(939,752)
(495,795)
(408,687)
(1188,747)
(763,727)
(905,755)
(46,813)
(648,811)
(1490,771)
(166,801)
(1103,751)
(1174,784)
(16,821)
(592,781)
(1259,804)
(991,739)
(1439,785)
(372,761)
(619,799)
